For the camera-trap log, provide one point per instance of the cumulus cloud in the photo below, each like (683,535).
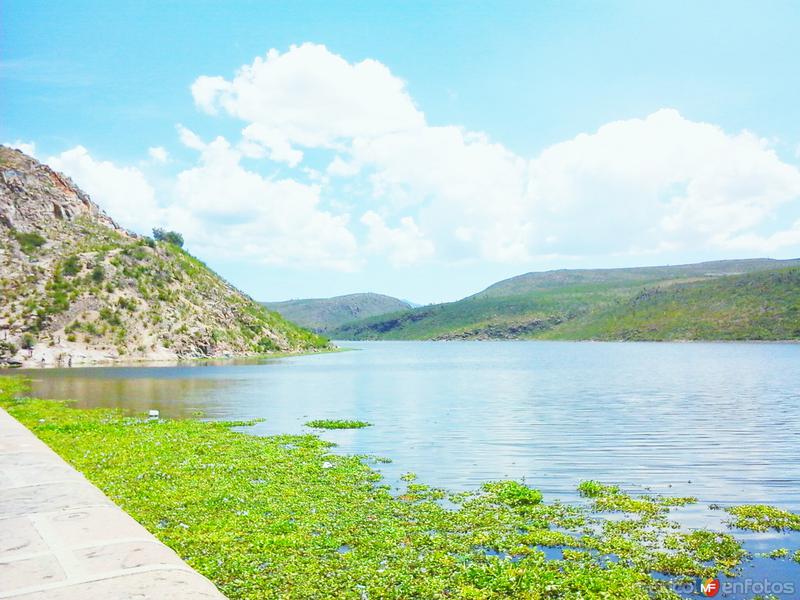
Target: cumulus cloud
(309,97)
(663,179)
(469,191)
(189,138)
(158,154)
(642,185)
(123,192)
(635,186)
(228,210)
(655,185)
(766,244)
(28,148)
(404,245)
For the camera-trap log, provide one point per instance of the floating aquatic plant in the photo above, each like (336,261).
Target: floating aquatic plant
(760,517)
(337,424)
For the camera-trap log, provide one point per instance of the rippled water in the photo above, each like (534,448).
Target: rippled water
(717,421)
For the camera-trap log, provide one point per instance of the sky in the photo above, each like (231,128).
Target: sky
(419,149)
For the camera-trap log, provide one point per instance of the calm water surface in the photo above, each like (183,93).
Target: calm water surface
(717,421)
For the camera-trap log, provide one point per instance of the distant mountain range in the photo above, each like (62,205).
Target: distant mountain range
(754,299)
(325,314)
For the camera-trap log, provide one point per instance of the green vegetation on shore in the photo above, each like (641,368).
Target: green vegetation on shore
(755,299)
(282,517)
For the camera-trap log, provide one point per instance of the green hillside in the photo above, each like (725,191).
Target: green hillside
(755,306)
(630,276)
(325,314)
(564,304)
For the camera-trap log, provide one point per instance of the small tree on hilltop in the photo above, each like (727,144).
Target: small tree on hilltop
(171,237)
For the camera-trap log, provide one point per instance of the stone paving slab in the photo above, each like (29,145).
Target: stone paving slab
(61,538)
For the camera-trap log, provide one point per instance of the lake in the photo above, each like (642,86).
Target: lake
(720,421)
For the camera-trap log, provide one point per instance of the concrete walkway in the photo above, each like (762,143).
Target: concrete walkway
(62,539)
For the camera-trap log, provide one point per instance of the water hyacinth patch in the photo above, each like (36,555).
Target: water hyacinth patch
(760,517)
(610,498)
(337,424)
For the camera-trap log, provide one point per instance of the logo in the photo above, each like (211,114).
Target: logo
(710,587)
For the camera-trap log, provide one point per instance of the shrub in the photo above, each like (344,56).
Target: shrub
(27,341)
(110,316)
(266,344)
(7,349)
(127,303)
(29,242)
(171,237)
(98,274)
(72,266)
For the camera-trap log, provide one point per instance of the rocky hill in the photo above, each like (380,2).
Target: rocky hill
(77,288)
(324,314)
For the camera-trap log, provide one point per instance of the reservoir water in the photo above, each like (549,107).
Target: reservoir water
(720,421)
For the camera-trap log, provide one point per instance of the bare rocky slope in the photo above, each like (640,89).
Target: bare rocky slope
(77,288)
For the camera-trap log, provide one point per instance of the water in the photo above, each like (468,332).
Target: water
(716,421)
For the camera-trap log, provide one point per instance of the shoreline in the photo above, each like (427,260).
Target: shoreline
(14,366)
(167,362)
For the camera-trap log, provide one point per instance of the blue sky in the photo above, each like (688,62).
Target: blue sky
(477,142)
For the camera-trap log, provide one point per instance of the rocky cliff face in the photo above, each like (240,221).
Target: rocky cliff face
(77,288)
(33,197)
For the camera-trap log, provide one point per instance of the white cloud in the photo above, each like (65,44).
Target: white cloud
(404,245)
(647,185)
(470,192)
(664,179)
(342,168)
(655,185)
(189,138)
(159,154)
(227,210)
(123,192)
(28,148)
(766,244)
(276,145)
(309,97)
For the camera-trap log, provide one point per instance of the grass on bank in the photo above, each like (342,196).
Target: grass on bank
(282,517)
